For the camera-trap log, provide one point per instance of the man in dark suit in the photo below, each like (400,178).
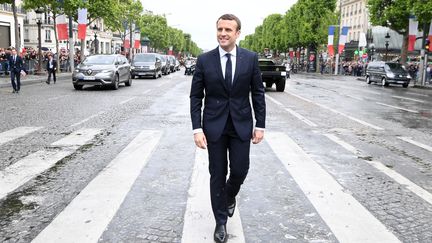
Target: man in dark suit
(225,78)
(15,67)
(51,68)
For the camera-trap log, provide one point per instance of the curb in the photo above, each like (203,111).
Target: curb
(30,79)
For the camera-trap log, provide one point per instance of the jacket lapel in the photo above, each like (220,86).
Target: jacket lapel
(238,65)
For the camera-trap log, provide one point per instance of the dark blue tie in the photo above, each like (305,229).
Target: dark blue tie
(228,70)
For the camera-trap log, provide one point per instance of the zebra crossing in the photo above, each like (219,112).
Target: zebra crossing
(89,214)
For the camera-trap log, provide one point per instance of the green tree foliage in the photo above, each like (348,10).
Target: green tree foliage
(305,24)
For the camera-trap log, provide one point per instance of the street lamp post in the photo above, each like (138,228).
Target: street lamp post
(96,41)
(372,49)
(39,11)
(387,45)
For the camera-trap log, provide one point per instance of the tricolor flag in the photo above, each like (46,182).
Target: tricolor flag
(137,40)
(330,40)
(82,23)
(62,29)
(430,36)
(126,42)
(343,38)
(413,26)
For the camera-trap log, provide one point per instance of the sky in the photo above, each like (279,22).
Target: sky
(198,18)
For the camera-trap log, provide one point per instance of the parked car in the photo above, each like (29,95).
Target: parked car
(387,73)
(189,67)
(165,64)
(102,70)
(172,60)
(146,64)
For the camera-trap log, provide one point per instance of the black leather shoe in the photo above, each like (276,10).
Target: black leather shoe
(47,82)
(220,234)
(231,207)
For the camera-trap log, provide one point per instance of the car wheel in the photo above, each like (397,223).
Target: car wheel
(384,82)
(268,84)
(405,85)
(116,83)
(132,76)
(280,86)
(368,81)
(129,81)
(78,87)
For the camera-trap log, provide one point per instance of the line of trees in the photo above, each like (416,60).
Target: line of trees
(305,24)
(118,16)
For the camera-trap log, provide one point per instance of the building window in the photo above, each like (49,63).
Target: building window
(47,35)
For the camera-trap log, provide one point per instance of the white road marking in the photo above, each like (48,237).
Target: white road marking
(355,97)
(126,101)
(345,216)
(15,133)
(412,93)
(421,145)
(29,167)
(89,213)
(406,98)
(397,107)
(297,115)
(338,112)
(145,92)
(198,220)
(422,193)
(87,119)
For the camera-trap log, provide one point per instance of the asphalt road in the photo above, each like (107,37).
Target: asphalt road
(342,161)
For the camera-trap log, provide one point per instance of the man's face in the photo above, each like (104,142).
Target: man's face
(227,34)
(13,52)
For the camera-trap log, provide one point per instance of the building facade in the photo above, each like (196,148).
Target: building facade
(354,14)
(7,26)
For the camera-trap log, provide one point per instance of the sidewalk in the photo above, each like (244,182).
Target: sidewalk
(30,79)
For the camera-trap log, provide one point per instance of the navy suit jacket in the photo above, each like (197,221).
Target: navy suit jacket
(220,101)
(16,66)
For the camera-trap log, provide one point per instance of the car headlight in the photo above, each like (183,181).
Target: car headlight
(77,70)
(132,67)
(152,67)
(391,75)
(106,71)
(409,76)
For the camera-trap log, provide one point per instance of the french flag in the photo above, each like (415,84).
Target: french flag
(126,42)
(137,40)
(413,26)
(82,23)
(330,47)
(62,29)
(343,38)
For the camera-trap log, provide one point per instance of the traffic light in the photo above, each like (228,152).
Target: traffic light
(427,44)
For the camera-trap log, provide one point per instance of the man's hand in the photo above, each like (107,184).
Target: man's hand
(200,140)
(258,136)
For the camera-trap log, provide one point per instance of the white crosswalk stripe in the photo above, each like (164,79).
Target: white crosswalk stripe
(15,133)
(346,217)
(86,217)
(199,222)
(29,167)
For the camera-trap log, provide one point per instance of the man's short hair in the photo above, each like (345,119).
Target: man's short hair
(231,17)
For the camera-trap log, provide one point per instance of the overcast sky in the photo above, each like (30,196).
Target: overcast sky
(198,18)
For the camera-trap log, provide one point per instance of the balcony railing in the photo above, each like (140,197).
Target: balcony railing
(8,8)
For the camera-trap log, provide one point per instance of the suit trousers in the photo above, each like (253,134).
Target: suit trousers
(53,72)
(15,74)
(229,146)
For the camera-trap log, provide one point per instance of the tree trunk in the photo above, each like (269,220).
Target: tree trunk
(57,42)
(17,37)
(404,49)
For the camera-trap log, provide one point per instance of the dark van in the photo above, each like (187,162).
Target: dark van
(387,73)
(146,64)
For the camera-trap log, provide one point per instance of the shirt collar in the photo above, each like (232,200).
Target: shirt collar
(233,52)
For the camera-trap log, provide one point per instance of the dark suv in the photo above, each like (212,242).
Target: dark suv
(387,73)
(146,64)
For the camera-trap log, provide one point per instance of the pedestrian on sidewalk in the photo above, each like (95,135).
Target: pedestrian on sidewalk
(15,67)
(225,78)
(51,68)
